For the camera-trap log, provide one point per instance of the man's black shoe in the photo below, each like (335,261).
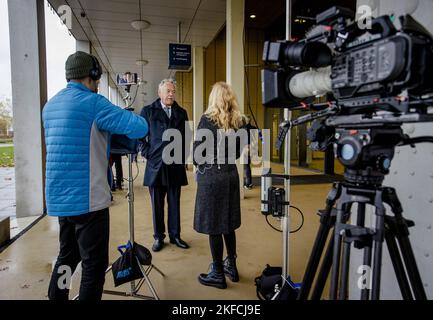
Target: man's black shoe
(157,245)
(179,242)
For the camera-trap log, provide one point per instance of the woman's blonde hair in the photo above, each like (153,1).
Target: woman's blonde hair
(223,107)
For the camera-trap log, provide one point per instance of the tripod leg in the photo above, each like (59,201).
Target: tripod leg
(159,271)
(360,221)
(398,265)
(412,269)
(324,272)
(149,284)
(378,244)
(365,291)
(343,293)
(401,232)
(327,220)
(336,252)
(326,264)
(313,262)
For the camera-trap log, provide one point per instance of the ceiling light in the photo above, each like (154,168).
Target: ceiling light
(141,62)
(140,24)
(253,16)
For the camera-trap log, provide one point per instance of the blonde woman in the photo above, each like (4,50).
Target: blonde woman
(217,205)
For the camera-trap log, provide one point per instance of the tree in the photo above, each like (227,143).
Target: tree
(5,116)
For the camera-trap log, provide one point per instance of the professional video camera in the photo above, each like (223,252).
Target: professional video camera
(374,81)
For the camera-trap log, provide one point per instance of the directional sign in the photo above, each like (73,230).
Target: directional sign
(179,56)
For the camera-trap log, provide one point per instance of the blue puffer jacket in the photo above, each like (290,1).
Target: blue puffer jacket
(78,124)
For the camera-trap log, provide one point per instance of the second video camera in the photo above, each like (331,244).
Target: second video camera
(364,70)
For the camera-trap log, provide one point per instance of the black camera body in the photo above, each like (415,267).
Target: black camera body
(367,69)
(276,202)
(121,144)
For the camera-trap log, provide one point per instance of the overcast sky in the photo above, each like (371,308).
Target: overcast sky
(59,46)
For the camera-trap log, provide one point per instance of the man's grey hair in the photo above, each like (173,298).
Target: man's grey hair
(163,82)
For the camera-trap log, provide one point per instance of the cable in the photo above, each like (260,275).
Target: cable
(293,231)
(246,78)
(138,172)
(302,219)
(415,140)
(192,20)
(141,43)
(135,96)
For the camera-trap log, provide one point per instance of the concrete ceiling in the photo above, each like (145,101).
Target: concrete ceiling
(107,24)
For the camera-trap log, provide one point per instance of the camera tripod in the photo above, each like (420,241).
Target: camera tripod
(363,186)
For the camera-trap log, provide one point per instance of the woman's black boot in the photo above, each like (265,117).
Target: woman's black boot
(230,269)
(215,278)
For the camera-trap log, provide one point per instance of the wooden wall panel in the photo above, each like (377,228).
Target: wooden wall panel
(220,60)
(215,70)
(184,91)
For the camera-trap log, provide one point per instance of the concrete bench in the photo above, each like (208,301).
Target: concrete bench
(5,230)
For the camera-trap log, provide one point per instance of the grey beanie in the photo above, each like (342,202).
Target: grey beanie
(79,65)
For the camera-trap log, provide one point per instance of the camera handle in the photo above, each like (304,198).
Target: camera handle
(286,125)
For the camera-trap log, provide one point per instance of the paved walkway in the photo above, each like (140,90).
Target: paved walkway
(5,145)
(7,192)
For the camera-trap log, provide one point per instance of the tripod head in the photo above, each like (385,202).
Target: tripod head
(364,144)
(366,153)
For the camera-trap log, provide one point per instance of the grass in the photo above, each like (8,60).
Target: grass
(7,157)
(6,141)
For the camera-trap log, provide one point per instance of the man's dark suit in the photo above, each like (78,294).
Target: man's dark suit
(163,179)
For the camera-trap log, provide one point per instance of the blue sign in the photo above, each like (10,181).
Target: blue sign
(179,56)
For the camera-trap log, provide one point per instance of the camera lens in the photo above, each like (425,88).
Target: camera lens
(307,54)
(347,152)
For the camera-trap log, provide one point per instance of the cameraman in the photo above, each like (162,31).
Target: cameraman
(78,123)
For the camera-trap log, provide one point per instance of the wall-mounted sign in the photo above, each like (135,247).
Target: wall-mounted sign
(179,56)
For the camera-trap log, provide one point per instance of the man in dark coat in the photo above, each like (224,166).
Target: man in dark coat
(164,179)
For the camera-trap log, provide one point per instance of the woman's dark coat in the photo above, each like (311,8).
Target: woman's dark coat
(217,205)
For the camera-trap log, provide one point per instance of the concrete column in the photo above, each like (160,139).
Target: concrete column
(112,90)
(29,95)
(120,101)
(103,85)
(235,58)
(83,45)
(110,94)
(198,85)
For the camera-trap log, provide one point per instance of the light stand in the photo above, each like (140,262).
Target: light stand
(135,287)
